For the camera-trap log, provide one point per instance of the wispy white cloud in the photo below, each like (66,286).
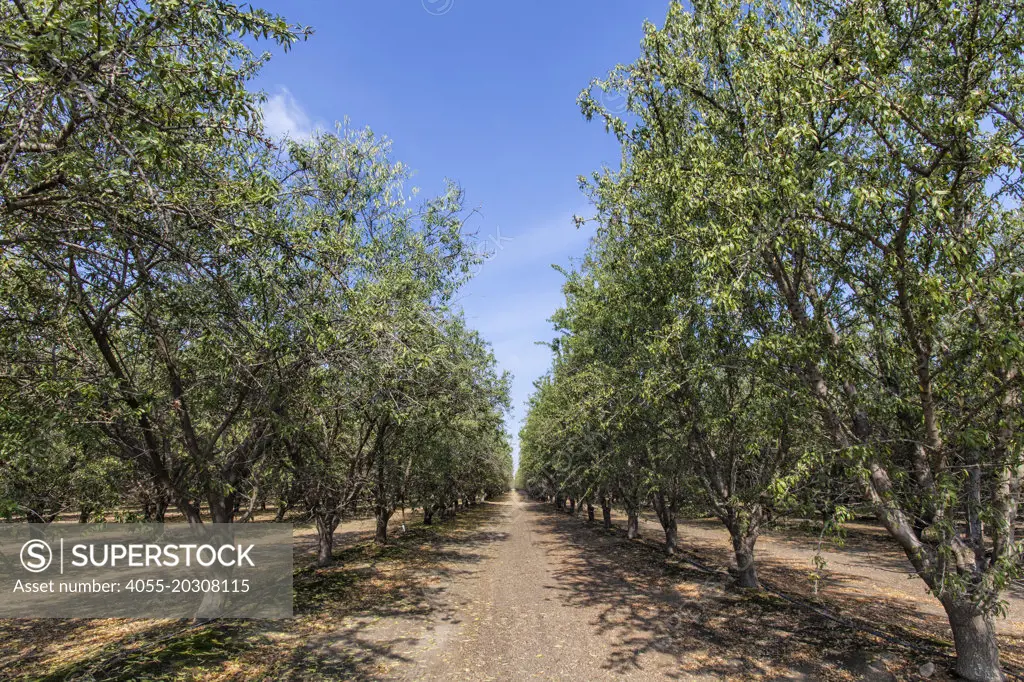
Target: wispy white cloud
(284,117)
(514,294)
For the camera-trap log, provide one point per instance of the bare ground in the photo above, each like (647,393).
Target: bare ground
(514,590)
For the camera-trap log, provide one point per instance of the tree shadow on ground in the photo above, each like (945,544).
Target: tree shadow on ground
(902,601)
(352,620)
(651,606)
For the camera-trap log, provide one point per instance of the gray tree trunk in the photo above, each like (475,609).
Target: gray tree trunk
(383,516)
(632,524)
(743,547)
(974,634)
(667,517)
(325,527)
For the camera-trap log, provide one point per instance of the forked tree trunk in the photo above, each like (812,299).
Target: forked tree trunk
(590,512)
(606,512)
(974,635)
(632,523)
(667,517)
(743,547)
(326,524)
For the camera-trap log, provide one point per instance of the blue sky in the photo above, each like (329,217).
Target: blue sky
(484,93)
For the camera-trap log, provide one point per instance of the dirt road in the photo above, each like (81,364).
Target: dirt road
(515,620)
(514,590)
(546,596)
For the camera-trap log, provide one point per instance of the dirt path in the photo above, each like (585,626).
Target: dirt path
(514,624)
(515,590)
(546,596)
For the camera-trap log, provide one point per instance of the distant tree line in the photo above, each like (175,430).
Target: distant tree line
(198,318)
(805,291)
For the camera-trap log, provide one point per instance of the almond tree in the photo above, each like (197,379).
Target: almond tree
(127,236)
(859,163)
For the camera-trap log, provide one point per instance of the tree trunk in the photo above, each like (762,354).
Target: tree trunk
(590,512)
(383,516)
(282,509)
(671,535)
(743,546)
(667,517)
(212,604)
(222,508)
(974,634)
(572,506)
(428,516)
(251,510)
(606,512)
(190,510)
(632,524)
(325,527)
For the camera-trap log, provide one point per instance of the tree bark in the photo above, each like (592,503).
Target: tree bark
(221,508)
(746,568)
(190,510)
(667,516)
(428,516)
(606,512)
(572,506)
(632,524)
(590,512)
(974,634)
(325,527)
(383,516)
(161,509)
